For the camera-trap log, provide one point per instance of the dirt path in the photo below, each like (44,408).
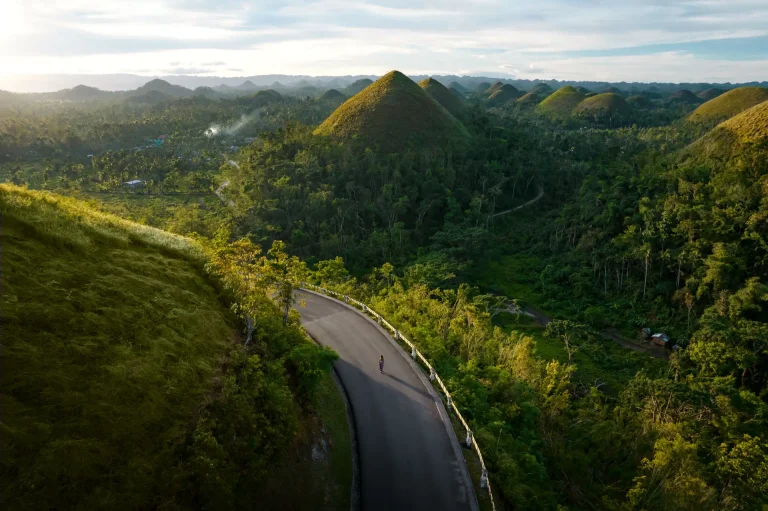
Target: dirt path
(521,206)
(610,334)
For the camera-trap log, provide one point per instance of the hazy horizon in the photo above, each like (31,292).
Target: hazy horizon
(649,41)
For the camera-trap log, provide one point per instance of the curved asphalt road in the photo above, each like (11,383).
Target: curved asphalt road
(407,460)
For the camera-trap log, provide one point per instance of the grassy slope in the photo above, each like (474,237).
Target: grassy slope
(394,113)
(729,104)
(750,126)
(561,102)
(606,104)
(442,95)
(111,338)
(530,98)
(506,94)
(332,95)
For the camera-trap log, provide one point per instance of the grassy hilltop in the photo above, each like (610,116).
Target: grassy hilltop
(729,104)
(111,338)
(605,105)
(561,103)
(442,95)
(726,140)
(394,113)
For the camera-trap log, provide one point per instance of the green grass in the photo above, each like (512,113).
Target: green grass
(394,113)
(708,94)
(685,96)
(332,96)
(605,105)
(750,126)
(357,86)
(529,99)
(442,95)
(322,482)
(506,94)
(561,103)
(729,104)
(112,337)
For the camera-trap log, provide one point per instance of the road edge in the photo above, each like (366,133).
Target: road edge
(457,451)
(354,499)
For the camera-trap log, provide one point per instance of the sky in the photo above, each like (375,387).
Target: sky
(643,40)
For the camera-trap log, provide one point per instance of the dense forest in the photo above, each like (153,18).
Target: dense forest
(600,213)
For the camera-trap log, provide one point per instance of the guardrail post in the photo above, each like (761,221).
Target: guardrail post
(346,299)
(431,374)
(450,401)
(469,438)
(378,318)
(413,352)
(397,335)
(484,479)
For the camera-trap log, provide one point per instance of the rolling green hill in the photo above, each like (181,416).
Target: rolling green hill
(482,87)
(505,94)
(176,91)
(442,95)
(332,96)
(357,86)
(561,103)
(607,105)
(639,101)
(530,98)
(542,89)
(493,88)
(729,104)
(112,336)
(708,94)
(393,113)
(150,97)
(747,127)
(457,86)
(684,96)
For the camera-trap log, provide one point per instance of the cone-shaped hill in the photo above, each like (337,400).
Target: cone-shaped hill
(605,106)
(505,94)
(542,89)
(446,98)
(729,104)
(482,87)
(708,94)
(685,96)
(332,96)
(394,112)
(561,102)
(529,99)
(457,86)
(639,101)
(493,88)
(357,86)
(750,126)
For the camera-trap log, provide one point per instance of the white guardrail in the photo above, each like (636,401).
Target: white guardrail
(433,376)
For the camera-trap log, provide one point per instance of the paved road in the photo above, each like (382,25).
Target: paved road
(407,460)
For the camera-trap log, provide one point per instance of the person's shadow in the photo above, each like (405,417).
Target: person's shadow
(406,384)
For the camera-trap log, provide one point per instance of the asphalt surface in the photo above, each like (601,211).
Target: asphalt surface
(407,460)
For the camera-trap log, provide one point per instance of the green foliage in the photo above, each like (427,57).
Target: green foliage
(311,362)
(111,339)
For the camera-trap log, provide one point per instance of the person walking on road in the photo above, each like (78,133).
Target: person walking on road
(381,364)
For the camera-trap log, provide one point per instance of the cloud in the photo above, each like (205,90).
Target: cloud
(552,38)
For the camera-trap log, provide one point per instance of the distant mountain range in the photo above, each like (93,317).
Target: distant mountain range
(312,84)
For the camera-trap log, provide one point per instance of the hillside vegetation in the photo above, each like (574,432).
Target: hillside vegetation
(125,381)
(561,103)
(394,113)
(442,95)
(111,338)
(729,104)
(729,137)
(603,106)
(332,95)
(506,94)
